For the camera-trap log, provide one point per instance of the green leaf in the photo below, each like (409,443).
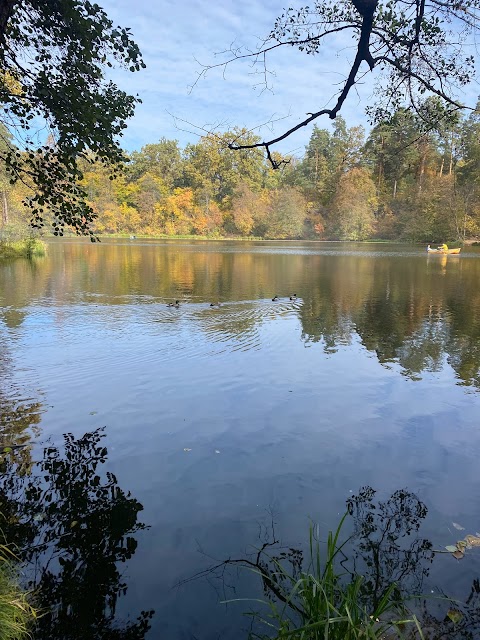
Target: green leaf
(454,615)
(451,548)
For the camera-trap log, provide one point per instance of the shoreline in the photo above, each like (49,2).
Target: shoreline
(195,238)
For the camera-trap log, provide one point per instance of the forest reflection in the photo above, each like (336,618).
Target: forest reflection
(20,415)
(89,317)
(417,311)
(73,527)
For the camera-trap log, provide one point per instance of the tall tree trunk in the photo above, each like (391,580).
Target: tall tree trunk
(451,156)
(380,166)
(4,209)
(441,166)
(394,189)
(423,161)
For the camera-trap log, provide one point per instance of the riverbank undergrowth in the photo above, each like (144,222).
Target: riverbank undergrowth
(27,248)
(16,613)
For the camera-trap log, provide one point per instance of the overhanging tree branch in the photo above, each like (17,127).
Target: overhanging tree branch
(263,51)
(53,58)
(420,44)
(366,9)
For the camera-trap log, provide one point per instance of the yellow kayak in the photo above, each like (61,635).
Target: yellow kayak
(451,252)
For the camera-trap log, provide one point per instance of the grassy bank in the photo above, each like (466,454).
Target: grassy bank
(164,236)
(27,248)
(213,238)
(16,614)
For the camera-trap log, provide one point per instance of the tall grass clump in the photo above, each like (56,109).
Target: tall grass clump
(323,601)
(16,614)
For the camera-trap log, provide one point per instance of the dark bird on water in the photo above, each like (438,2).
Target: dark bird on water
(275,299)
(175,304)
(293,296)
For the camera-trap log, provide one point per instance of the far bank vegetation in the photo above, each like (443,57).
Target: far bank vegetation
(398,183)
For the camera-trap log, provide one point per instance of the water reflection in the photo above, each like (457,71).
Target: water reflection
(73,527)
(386,548)
(256,403)
(20,415)
(404,307)
(383,547)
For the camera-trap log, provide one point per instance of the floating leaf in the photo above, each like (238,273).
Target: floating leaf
(187,449)
(454,615)
(217,451)
(461,545)
(38,517)
(93,413)
(458,555)
(73,524)
(7,449)
(451,548)
(458,526)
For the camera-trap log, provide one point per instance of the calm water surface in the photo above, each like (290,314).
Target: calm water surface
(217,418)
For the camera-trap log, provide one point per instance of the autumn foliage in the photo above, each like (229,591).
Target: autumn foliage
(401,182)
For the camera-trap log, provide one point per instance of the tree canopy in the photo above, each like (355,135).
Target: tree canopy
(61,119)
(401,182)
(58,104)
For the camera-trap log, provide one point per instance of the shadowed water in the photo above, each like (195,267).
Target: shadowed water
(216,418)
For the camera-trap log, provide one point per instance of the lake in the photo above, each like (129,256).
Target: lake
(219,420)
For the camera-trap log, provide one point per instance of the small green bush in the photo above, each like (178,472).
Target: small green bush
(27,248)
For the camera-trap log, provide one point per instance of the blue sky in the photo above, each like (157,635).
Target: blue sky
(175,37)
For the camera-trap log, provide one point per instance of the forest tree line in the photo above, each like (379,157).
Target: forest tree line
(403,181)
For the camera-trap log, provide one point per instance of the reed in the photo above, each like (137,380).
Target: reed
(325,602)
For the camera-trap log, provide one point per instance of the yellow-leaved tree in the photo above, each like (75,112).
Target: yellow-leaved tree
(354,206)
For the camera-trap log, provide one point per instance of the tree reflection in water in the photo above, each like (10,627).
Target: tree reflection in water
(384,547)
(387,549)
(72,526)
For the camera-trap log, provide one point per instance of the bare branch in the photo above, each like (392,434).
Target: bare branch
(366,10)
(262,52)
(417,42)
(412,74)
